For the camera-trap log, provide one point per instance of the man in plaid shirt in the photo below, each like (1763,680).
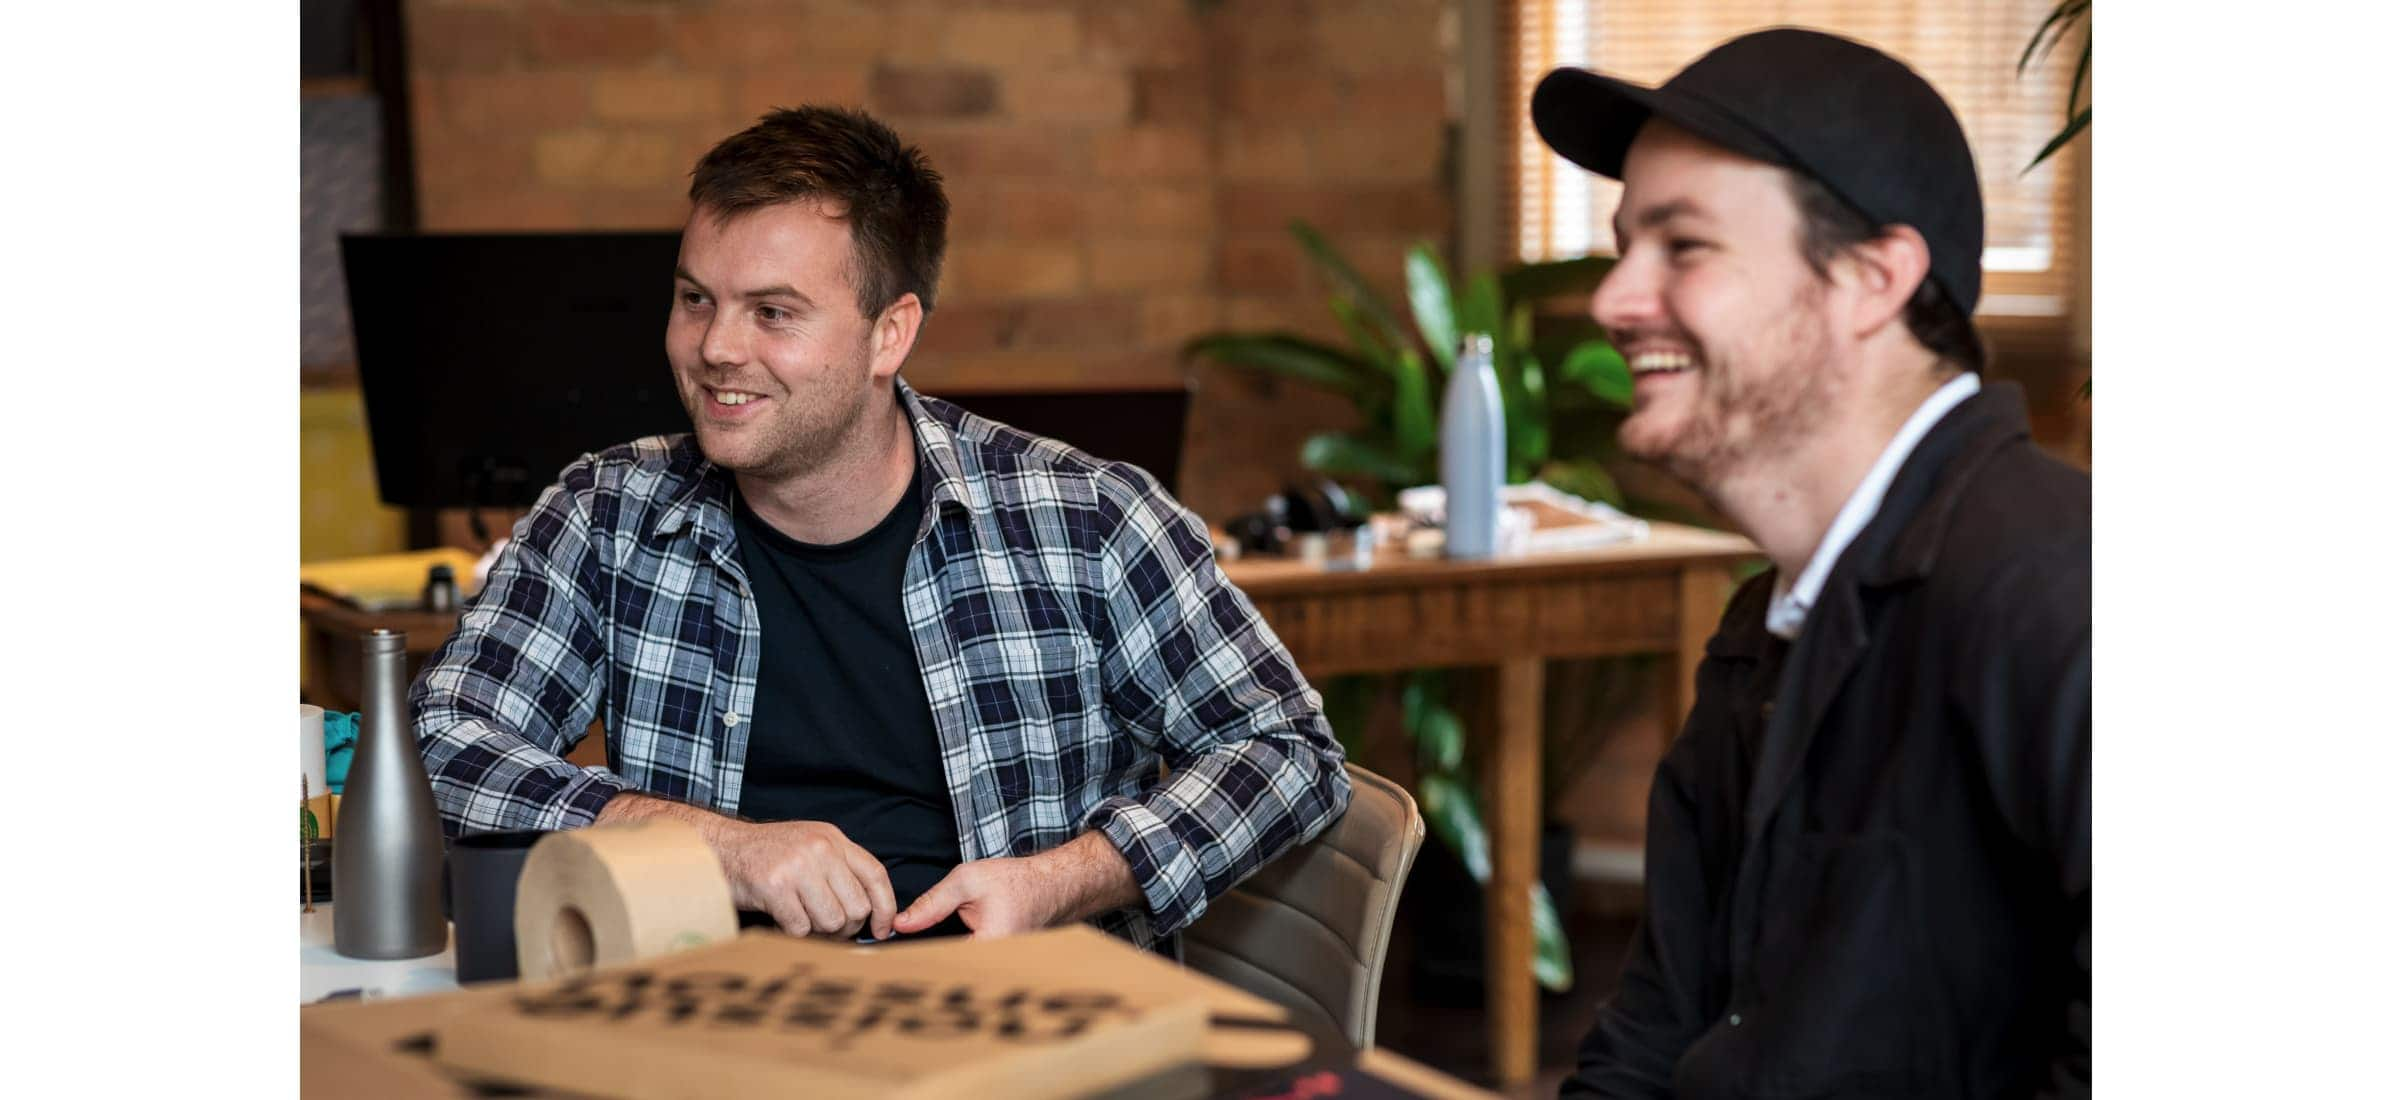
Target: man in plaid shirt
(1063,618)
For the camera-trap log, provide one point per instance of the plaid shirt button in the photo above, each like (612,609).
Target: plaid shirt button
(730,718)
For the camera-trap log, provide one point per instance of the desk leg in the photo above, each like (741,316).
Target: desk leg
(1703,592)
(1515,799)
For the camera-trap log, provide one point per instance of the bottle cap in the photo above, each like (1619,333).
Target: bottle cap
(386,641)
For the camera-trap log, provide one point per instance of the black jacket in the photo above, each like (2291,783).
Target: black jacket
(1868,860)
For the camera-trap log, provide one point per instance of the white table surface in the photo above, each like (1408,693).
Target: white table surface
(323,970)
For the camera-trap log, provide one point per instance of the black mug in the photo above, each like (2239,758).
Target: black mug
(483,870)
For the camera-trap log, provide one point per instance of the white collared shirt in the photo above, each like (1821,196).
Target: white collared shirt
(1789,605)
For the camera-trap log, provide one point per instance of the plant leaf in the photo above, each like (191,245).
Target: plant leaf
(1438,738)
(1534,441)
(1415,411)
(1450,805)
(2055,26)
(1552,945)
(1587,480)
(1432,303)
(2076,84)
(2075,126)
(1345,704)
(1293,357)
(1451,808)
(1552,278)
(1374,351)
(1345,282)
(1482,307)
(1337,453)
(1599,367)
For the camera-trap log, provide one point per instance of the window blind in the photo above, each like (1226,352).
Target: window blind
(1967,49)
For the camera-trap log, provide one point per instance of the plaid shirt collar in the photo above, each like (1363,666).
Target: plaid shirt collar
(702,501)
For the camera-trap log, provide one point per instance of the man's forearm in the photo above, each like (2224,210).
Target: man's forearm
(635,806)
(1089,876)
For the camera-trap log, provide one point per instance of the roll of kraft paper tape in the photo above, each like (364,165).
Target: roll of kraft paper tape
(611,894)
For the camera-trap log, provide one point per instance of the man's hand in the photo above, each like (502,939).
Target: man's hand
(999,897)
(806,874)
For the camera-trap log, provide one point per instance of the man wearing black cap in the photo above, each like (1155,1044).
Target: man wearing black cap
(1868,866)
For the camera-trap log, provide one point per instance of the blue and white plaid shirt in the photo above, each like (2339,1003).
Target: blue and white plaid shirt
(1074,632)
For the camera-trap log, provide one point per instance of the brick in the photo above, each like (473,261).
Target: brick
(449,165)
(607,158)
(1170,320)
(1064,95)
(738,36)
(796,86)
(1000,370)
(585,36)
(1153,209)
(495,103)
(1255,150)
(1159,263)
(1153,152)
(954,329)
(1260,264)
(1181,97)
(1074,324)
(970,153)
(931,92)
(499,211)
(1093,324)
(1417,208)
(1012,271)
(449,40)
(1406,94)
(1407,148)
(1361,38)
(656,97)
(1145,34)
(648,208)
(1011,39)
(1302,316)
(1017,212)
(1268,34)
(1287,94)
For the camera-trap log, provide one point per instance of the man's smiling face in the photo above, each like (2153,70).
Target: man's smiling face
(770,351)
(1722,321)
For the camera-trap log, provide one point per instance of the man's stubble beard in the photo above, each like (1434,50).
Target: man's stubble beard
(815,433)
(1743,422)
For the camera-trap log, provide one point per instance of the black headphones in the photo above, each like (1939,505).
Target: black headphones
(1317,506)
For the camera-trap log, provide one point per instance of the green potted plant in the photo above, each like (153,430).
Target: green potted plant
(1394,373)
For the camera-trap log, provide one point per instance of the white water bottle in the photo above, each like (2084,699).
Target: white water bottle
(1470,450)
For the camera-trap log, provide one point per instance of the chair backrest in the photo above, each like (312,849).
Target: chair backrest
(1310,929)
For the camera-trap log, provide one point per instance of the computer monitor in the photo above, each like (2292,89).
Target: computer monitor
(490,361)
(1145,428)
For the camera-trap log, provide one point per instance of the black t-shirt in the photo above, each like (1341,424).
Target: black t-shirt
(842,730)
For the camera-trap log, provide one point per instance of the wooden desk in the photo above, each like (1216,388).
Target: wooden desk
(1663,595)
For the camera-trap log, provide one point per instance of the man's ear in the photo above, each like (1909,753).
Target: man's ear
(893,335)
(1886,270)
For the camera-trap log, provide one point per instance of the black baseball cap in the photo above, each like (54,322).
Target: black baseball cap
(1861,123)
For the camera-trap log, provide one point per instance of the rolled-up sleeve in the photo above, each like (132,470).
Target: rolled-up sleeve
(519,681)
(1190,666)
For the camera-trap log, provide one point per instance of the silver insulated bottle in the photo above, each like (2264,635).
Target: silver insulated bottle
(386,852)
(1470,450)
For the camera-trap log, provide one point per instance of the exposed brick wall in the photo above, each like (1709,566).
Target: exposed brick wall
(1122,171)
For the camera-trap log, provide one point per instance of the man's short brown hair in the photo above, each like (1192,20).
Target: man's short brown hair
(885,190)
